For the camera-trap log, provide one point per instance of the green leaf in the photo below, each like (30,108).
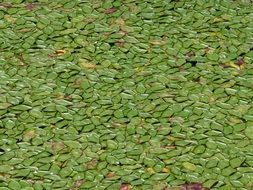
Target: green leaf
(189,166)
(5,168)
(236,162)
(4,105)
(13,184)
(85,84)
(65,172)
(36,113)
(213,56)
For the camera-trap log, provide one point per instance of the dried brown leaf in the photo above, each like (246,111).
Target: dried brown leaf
(92,164)
(10,19)
(110,175)
(6,5)
(57,146)
(29,135)
(157,42)
(86,64)
(60,52)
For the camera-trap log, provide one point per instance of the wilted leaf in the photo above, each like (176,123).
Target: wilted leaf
(166,170)
(4,105)
(231,64)
(57,146)
(10,19)
(91,164)
(157,42)
(218,19)
(120,22)
(78,183)
(29,134)
(86,64)
(189,166)
(60,52)
(151,170)
(176,120)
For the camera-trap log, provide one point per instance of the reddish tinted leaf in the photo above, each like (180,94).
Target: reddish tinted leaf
(125,186)
(51,55)
(240,61)
(110,10)
(30,6)
(192,186)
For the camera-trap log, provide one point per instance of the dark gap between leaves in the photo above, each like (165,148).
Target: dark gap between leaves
(232,174)
(36,47)
(193,63)
(50,153)
(196,79)
(21,177)
(244,164)
(2,150)
(227,27)
(42,127)
(242,54)
(111,43)
(214,184)
(243,120)
(171,9)
(19,140)
(163,16)
(69,18)
(216,79)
